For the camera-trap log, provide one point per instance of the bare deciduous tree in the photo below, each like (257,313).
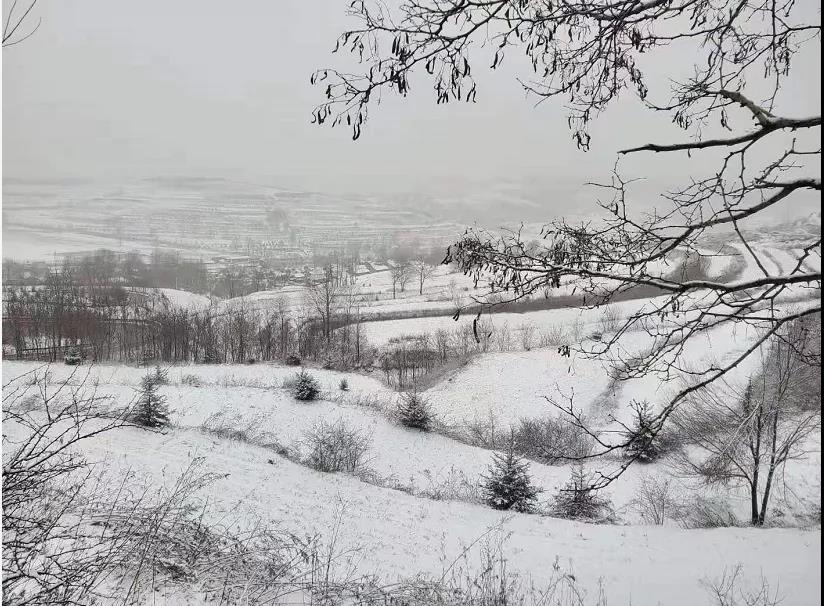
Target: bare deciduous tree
(323,298)
(737,56)
(400,274)
(748,434)
(423,272)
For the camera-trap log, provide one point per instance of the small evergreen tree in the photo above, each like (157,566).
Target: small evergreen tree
(306,387)
(415,412)
(160,376)
(508,484)
(151,410)
(576,499)
(344,385)
(643,443)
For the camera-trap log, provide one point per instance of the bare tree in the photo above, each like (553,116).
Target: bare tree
(740,54)
(400,274)
(748,434)
(323,298)
(423,271)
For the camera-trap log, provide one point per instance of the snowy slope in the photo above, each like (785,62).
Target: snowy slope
(400,535)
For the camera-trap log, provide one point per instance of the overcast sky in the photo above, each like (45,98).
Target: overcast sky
(115,90)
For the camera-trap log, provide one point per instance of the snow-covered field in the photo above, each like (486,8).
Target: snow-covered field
(399,530)
(399,535)
(417,505)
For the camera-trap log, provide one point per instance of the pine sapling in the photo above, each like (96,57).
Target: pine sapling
(306,387)
(642,439)
(508,484)
(578,500)
(151,410)
(415,412)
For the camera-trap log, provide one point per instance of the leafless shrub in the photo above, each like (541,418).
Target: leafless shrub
(705,512)
(48,558)
(503,337)
(480,576)
(552,440)
(610,320)
(242,428)
(336,447)
(654,500)
(454,486)
(728,590)
(527,331)
(480,432)
(232,380)
(190,380)
(366,400)
(552,336)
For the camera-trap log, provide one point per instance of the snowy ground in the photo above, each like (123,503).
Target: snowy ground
(400,535)
(418,462)
(391,517)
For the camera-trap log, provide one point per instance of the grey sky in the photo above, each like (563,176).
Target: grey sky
(111,89)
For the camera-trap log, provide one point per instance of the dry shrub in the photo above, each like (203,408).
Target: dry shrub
(552,440)
(242,428)
(336,447)
(610,320)
(705,512)
(729,590)
(190,380)
(654,500)
(454,486)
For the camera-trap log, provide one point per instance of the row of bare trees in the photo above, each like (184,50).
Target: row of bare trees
(110,326)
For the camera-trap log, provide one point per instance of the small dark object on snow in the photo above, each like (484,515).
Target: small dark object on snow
(73,358)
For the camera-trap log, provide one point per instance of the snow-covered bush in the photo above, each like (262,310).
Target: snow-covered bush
(343,385)
(336,447)
(190,380)
(151,409)
(454,485)
(704,512)
(293,360)
(480,432)
(552,440)
(654,500)
(577,500)
(508,485)
(73,358)
(243,428)
(305,387)
(415,412)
